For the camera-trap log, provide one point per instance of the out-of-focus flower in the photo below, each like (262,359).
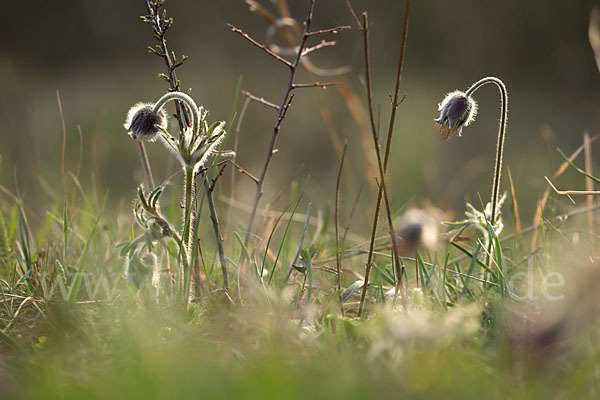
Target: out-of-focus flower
(419,229)
(140,267)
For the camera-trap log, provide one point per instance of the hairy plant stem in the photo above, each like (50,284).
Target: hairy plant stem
(185,99)
(501,136)
(188,220)
(499,148)
(145,165)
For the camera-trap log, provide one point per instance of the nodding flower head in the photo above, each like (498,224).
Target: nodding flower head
(143,124)
(456,111)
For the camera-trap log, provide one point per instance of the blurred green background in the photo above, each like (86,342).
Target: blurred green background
(94,53)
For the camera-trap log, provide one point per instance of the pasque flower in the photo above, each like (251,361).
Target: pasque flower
(456,110)
(143,123)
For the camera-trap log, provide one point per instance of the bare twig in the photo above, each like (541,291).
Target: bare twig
(287,97)
(261,46)
(352,212)
(382,165)
(260,100)
(160,26)
(337,224)
(542,203)
(215,222)
(213,181)
(358,23)
(315,84)
(319,46)
(573,192)
(330,30)
(589,183)
(243,171)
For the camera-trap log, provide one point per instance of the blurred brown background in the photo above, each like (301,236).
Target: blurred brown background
(94,53)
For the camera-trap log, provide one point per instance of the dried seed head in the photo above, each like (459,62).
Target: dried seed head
(143,124)
(456,111)
(418,229)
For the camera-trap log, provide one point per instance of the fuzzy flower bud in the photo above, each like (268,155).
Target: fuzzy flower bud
(456,111)
(143,124)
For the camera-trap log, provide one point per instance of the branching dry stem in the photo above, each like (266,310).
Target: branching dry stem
(382,165)
(287,97)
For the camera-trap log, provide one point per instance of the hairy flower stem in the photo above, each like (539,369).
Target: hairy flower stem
(146,165)
(189,190)
(187,100)
(188,220)
(501,136)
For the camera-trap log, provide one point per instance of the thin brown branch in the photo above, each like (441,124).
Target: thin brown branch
(395,250)
(285,110)
(589,183)
(261,46)
(369,264)
(160,27)
(243,171)
(319,46)
(337,224)
(330,30)
(204,169)
(216,178)
(315,84)
(382,165)
(573,192)
(219,238)
(542,203)
(354,14)
(357,198)
(260,100)
(285,104)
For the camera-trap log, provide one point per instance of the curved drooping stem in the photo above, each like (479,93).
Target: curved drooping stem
(501,135)
(186,140)
(187,100)
(189,188)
